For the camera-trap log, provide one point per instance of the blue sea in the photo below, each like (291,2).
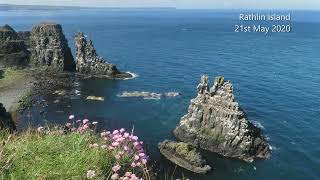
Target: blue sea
(276,79)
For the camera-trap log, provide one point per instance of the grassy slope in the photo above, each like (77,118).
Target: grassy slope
(36,156)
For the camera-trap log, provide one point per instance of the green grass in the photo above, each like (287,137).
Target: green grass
(10,77)
(32,155)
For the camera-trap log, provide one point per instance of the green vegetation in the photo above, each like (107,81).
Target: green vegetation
(10,77)
(184,150)
(34,155)
(220,80)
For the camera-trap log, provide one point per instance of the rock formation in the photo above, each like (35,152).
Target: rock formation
(215,122)
(6,121)
(88,62)
(184,156)
(50,47)
(13,51)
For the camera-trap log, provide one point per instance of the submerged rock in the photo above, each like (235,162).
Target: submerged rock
(50,47)
(148,95)
(13,50)
(95,98)
(184,156)
(6,121)
(88,61)
(215,122)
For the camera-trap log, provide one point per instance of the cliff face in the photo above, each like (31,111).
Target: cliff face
(50,47)
(215,122)
(6,121)
(13,51)
(88,62)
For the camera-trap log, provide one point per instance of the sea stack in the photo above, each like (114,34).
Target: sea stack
(215,122)
(50,47)
(13,51)
(89,63)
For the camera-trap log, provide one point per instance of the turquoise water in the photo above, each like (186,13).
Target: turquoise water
(275,77)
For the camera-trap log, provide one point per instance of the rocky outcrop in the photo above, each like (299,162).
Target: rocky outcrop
(184,156)
(50,48)
(215,122)
(88,61)
(6,121)
(13,51)
(147,95)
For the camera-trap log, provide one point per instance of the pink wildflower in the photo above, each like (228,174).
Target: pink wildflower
(91,174)
(144,161)
(115,132)
(133,164)
(115,144)
(94,122)
(136,157)
(68,125)
(85,126)
(126,135)
(115,176)
(85,121)
(128,174)
(122,130)
(78,121)
(133,177)
(125,148)
(125,178)
(142,154)
(71,117)
(136,144)
(138,163)
(116,168)
(135,138)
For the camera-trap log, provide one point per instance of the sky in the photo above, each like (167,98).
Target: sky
(183,4)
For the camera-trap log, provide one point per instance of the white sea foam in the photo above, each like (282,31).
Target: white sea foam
(134,75)
(258,124)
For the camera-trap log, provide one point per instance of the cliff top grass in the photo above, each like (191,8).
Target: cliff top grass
(36,156)
(73,151)
(10,77)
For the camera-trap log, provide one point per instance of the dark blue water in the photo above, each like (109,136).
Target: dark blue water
(276,79)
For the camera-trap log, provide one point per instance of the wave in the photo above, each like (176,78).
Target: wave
(134,75)
(147,95)
(258,125)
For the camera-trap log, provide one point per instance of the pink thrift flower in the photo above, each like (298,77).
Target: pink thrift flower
(78,121)
(136,157)
(69,125)
(94,122)
(126,178)
(135,138)
(138,163)
(136,144)
(108,132)
(115,132)
(103,134)
(116,168)
(142,154)
(115,176)
(144,161)
(71,117)
(115,144)
(133,164)
(128,174)
(133,177)
(126,135)
(85,121)
(122,130)
(91,174)
(85,127)
(125,148)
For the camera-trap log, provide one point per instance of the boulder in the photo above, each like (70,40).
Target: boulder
(50,48)
(6,121)
(215,122)
(88,61)
(184,156)
(13,51)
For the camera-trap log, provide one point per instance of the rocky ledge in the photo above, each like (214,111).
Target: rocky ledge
(184,156)
(6,121)
(90,64)
(50,47)
(13,51)
(215,122)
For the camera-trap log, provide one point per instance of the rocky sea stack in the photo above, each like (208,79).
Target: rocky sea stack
(13,51)
(215,122)
(50,47)
(184,155)
(89,63)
